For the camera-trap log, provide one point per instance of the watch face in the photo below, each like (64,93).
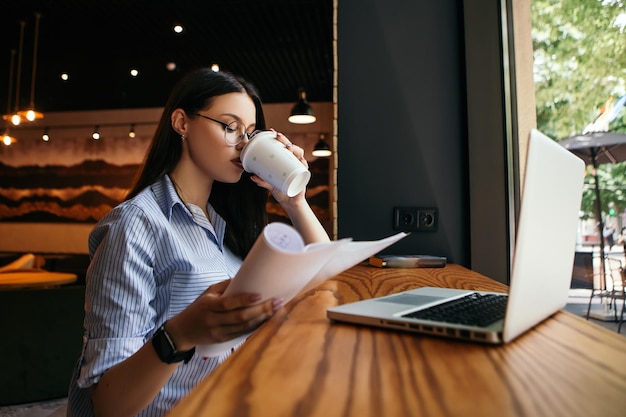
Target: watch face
(166,350)
(163,346)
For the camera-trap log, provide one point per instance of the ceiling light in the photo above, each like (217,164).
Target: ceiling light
(96,133)
(321,148)
(14,117)
(131,132)
(7,139)
(134,72)
(31,114)
(302,113)
(178,28)
(65,76)
(45,136)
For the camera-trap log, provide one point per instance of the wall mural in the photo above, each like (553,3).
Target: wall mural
(69,180)
(78,180)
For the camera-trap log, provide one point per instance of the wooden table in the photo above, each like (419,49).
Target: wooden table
(34,278)
(299,364)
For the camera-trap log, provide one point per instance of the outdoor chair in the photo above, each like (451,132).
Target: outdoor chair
(611,289)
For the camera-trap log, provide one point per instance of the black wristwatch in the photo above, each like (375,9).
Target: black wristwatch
(166,349)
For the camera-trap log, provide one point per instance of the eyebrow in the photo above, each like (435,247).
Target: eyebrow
(234,116)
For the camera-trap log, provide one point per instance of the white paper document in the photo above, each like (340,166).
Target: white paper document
(281,265)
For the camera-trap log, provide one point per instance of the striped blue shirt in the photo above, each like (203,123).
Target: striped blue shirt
(151,257)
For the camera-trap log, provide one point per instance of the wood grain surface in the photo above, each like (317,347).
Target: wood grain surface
(34,278)
(301,364)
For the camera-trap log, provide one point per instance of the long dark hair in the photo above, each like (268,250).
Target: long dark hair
(241,204)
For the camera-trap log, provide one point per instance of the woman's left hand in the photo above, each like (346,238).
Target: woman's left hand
(300,213)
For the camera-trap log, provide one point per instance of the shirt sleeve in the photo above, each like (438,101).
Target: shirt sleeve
(120,289)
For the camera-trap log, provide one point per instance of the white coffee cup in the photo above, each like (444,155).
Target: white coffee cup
(268,158)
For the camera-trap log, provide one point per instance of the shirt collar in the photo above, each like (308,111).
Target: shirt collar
(167,198)
(166,195)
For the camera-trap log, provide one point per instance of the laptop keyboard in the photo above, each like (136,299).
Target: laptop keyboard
(472,310)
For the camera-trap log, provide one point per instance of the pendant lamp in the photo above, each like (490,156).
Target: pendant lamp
(14,117)
(302,113)
(321,148)
(7,139)
(30,113)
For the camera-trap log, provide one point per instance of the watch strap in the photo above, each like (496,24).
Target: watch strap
(165,348)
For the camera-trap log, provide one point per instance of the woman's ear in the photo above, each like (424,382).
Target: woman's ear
(179,121)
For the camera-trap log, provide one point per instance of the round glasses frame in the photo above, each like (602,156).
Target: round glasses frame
(234,131)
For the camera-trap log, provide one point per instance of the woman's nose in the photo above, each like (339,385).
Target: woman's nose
(244,141)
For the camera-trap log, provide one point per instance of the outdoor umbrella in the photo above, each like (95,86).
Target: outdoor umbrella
(598,148)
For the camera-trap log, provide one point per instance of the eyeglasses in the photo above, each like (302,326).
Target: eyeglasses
(234,131)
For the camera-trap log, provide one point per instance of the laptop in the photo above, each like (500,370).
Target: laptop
(541,273)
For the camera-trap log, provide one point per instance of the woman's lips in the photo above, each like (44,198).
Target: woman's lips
(237,162)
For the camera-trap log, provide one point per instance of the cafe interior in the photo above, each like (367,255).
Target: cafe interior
(414,104)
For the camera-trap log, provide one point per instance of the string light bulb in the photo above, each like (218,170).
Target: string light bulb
(96,133)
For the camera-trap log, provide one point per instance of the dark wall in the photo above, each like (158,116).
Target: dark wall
(401,124)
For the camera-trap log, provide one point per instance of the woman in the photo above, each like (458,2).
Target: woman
(161,259)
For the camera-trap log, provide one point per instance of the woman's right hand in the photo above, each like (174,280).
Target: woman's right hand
(215,318)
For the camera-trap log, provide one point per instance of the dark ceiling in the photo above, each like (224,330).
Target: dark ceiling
(279,45)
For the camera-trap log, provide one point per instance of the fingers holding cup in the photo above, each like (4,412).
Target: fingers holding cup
(294,149)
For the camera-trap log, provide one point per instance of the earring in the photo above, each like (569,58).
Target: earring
(183,137)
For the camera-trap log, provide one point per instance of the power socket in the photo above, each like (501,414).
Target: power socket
(415,219)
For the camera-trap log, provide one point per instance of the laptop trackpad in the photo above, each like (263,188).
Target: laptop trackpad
(409,299)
